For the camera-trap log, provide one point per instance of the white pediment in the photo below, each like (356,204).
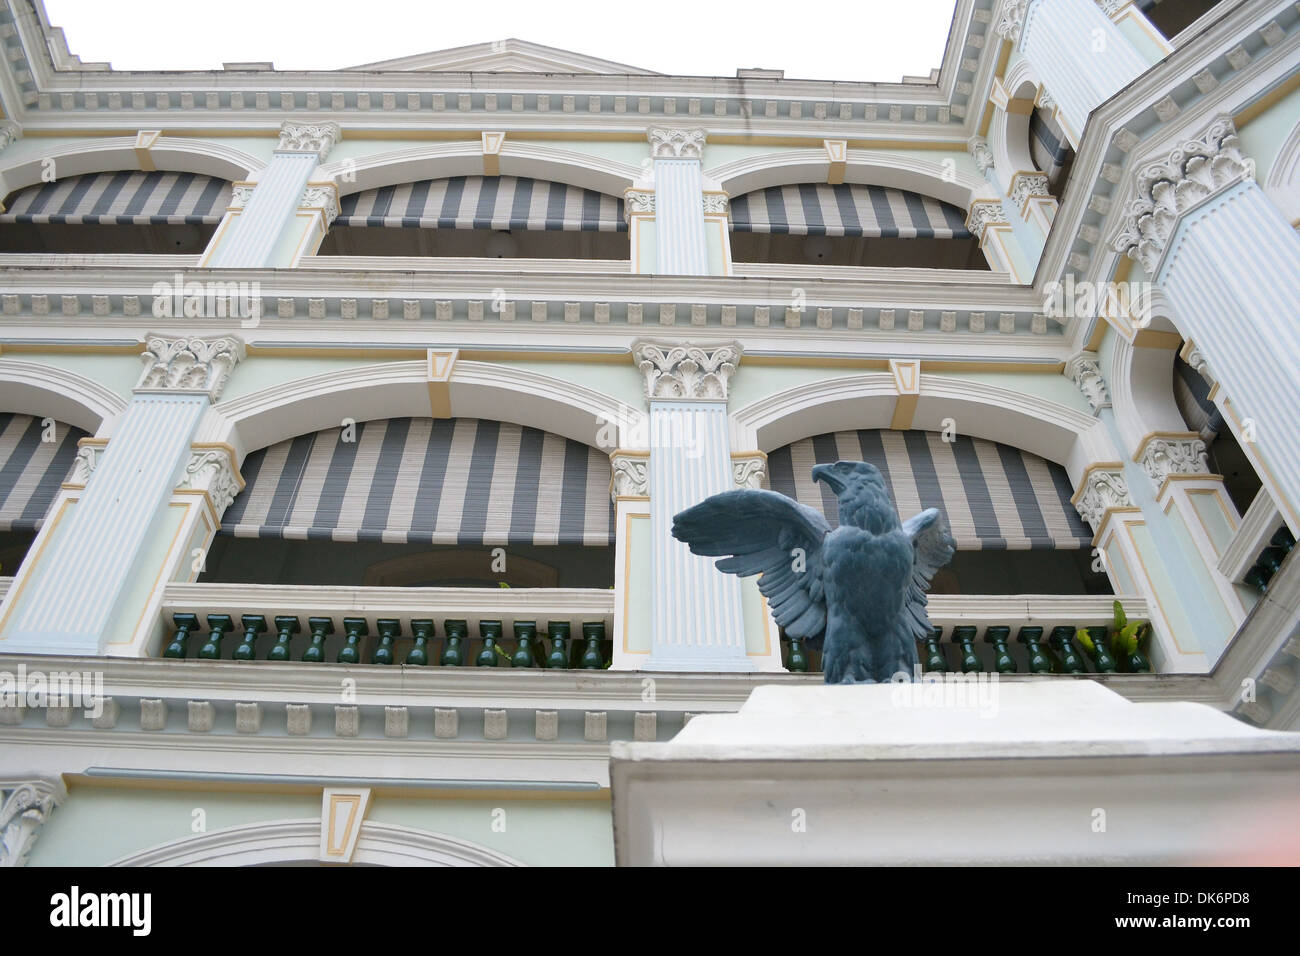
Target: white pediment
(502,56)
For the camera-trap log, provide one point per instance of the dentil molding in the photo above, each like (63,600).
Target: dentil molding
(676,143)
(1197,170)
(189,363)
(686,371)
(318,138)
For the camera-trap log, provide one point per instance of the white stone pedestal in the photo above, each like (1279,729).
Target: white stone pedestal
(1046,771)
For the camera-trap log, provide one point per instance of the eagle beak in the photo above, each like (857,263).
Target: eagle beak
(826,474)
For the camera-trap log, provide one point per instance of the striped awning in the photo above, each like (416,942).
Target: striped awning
(484,202)
(125,198)
(31,469)
(814,209)
(1048,146)
(995,497)
(1192,396)
(435,481)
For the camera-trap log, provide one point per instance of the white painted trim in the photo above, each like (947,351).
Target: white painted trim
(298,841)
(169,153)
(31,388)
(1258,524)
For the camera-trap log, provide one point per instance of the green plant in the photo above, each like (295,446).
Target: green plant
(1126,641)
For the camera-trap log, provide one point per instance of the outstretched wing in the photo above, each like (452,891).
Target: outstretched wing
(934,548)
(760,531)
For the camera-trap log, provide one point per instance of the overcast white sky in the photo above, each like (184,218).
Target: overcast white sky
(879,40)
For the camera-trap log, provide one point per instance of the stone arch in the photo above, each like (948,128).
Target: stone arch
(44,391)
(1283,181)
(298,841)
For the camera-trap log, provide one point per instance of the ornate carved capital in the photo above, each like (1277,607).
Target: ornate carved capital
(1197,170)
(984,213)
(189,363)
(25,806)
(240,194)
(1162,455)
(1084,371)
(686,371)
(638,201)
(979,149)
(1045,100)
(1104,489)
(1010,19)
(211,468)
(749,469)
(322,196)
(318,138)
(1025,186)
(715,204)
(676,143)
(631,474)
(9,133)
(1191,354)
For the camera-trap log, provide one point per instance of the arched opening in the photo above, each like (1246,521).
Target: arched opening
(851,224)
(495,217)
(124,212)
(36,456)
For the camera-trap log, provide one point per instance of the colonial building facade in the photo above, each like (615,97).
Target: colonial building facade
(343,415)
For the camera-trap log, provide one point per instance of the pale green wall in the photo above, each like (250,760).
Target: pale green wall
(267,371)
(117,372)
(1263,136)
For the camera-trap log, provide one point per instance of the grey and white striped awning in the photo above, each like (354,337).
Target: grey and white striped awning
(1048,146)
(125,198)
(995,497)
(1192,396)
(31,469)
(438,481)
(484,202)
(817,209)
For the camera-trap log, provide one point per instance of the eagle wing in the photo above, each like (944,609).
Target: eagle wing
(934,548)
(762,532)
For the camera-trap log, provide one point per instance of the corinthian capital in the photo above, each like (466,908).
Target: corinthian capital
(189,363)
(1194,172)
(318,138)
(984,213)
(1010,19)
(212,468)
(676,143)
(686,371)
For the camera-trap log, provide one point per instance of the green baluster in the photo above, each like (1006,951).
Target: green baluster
(254,624)
(593,634)
(963,635)
(525,634)
(559,636)
(419,652)
(998,635)
(321,627)
(798,663)
(1062,640)
(490,631)
(1030,635)
(453,655)
(389,630)
(934,659)
(180,645)
(355,628)
(218,624)
(286,627)
(1101,659)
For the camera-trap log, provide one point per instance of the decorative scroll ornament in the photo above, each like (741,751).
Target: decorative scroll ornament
(631,475)
(9,133)
(1026,186)
(1197,170)
(984,213)
(983,155)
(1197,360)
(749,470)
(1084,371)
(211,470)
(316,138)
(24,808)
(686,371)
(189,363)
(638,201)
(1011,19)
(715,204)
(1045,100)
(240,194)
(1103,491)
(322,196)
(1165,455)
(1112,7)
(676,143)
(88,456)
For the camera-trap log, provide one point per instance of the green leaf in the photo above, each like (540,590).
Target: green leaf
(502,584)
(1081,635)
(1120,620)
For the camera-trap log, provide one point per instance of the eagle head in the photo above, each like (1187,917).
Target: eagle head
(862,494)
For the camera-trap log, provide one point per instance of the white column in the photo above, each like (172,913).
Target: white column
(250,236)
(679,202)
(697,618)
(74,591)
(1082,57)
(1230,263)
